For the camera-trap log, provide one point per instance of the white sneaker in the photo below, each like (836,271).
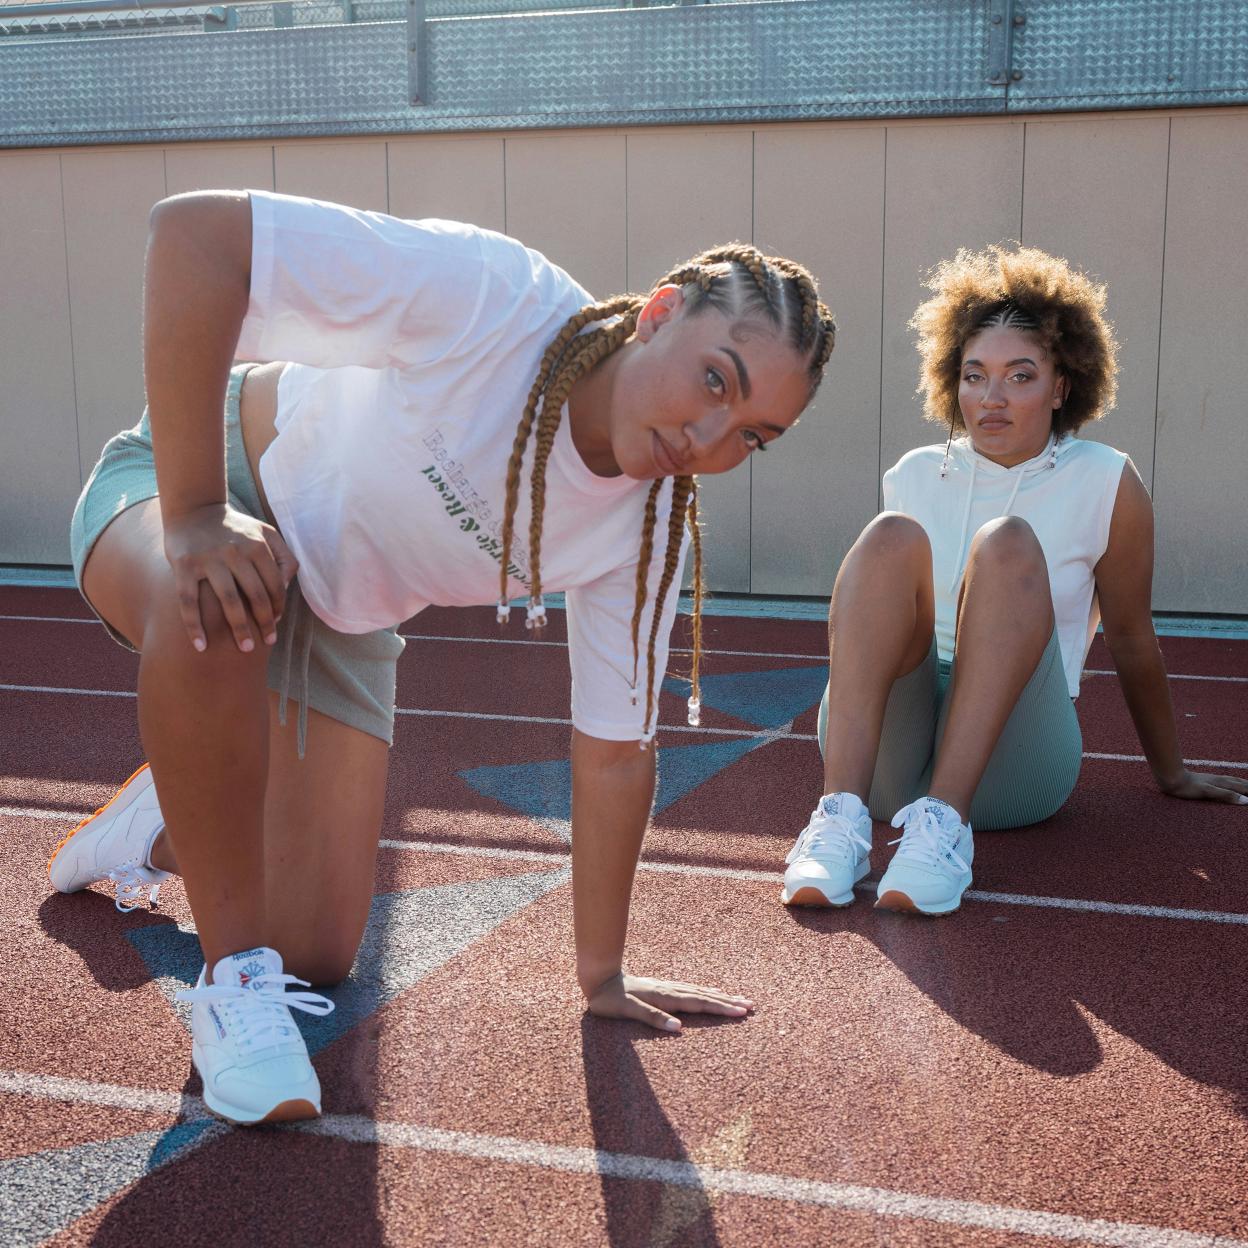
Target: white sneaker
(831,854)
(932,869)
(115,844)
(245,1044)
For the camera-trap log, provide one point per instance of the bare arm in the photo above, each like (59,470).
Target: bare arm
(1124,584)
(612,789)
(196,289)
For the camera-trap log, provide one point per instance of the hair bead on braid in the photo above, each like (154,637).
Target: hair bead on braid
(739,281)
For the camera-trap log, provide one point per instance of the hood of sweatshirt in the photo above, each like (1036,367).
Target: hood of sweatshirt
(973,466)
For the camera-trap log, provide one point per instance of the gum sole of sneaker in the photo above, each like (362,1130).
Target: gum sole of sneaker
(124,792)
(288,1111)
(813,897)
(901,904)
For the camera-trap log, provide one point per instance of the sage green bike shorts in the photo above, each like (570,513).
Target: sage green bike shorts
(348,677)
(1032,770)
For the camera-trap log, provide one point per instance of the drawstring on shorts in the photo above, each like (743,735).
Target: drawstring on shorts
(299,620)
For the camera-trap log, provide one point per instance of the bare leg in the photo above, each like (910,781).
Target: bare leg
(204,723)
(879,628)
(317,820)
(322,821)
(1005,619)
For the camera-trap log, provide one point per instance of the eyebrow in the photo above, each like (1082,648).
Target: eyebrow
(743,375)
(1022,359)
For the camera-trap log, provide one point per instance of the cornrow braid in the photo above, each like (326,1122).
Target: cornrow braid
(682,491)
(784,293)
(643,564)
(592,312)
(695,684)
(597,346)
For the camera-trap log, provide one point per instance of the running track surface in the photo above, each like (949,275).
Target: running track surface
(1065,1060)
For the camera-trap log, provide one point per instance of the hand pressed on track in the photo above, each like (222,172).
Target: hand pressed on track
(1199,787)
(246,563)
(654,1001)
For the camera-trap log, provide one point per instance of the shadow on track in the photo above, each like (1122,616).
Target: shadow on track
(627,1118)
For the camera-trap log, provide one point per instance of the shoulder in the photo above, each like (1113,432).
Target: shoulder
(916,465)
(1095,455)
(455,248)
(918,459)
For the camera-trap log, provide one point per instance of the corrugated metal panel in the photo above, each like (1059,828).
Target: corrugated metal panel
(703,63)
(1097,54)
(763,61)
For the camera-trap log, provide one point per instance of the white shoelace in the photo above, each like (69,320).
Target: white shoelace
(259,1013)
(136,885)
(828,834)
(926,839)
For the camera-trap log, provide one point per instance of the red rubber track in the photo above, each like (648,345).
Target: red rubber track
(1017,1073)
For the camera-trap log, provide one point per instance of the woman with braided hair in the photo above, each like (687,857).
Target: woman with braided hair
(375,452)
(961,618)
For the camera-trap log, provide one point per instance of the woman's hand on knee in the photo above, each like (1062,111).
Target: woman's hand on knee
(246,564)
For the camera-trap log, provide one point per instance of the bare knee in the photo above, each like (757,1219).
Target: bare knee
(1008,540)
(165,632)
(894,534)
(1007,548)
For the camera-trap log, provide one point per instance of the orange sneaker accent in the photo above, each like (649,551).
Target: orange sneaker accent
(901,904)
(813,897)
(893,900)
(60,845)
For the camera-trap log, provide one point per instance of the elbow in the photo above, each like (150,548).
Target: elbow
(1128,648)
(216,223)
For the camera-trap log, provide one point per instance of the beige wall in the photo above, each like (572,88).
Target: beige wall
(1150,202)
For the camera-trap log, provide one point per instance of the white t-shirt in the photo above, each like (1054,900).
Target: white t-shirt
(412,348)
(1067,500)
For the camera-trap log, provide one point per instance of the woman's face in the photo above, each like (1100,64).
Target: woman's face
(697,393)
(1009,390)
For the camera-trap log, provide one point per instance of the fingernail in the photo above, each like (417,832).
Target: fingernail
(247,645)
(200,644)
(271,638)
(672,1024)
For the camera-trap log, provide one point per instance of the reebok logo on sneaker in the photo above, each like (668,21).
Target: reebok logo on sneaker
(216,1018)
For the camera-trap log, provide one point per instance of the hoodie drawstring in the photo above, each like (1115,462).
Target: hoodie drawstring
(1050,454)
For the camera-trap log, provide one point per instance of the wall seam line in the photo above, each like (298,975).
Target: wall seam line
(69,307)
(1161,303)
(1022,189)
(879,427)
(749,566)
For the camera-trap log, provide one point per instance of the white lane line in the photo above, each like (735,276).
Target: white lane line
(35,812)
(474,641)
(110,1095)
(865,886)
(746,874)
(575,1159)
(1191,762)
(86,693)
(768,733)
(563,645)
(54,619)
(1090,671)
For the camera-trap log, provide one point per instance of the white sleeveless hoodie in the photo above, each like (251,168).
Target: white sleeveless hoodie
(1067,495)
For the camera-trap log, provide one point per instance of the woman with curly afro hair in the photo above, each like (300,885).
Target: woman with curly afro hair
(961,618)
